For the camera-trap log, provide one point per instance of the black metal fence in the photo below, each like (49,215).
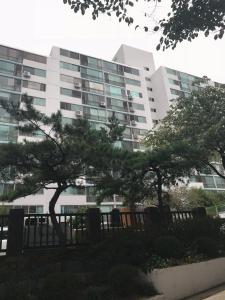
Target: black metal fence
(78,229)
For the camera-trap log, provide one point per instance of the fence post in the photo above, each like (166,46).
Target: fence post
(152,218)
(199,212)
(93,224)
(15,232)
(115,217)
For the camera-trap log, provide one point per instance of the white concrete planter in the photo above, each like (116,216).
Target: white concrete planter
(176,283)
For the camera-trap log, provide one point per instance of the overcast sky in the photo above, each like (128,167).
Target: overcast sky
(37,25)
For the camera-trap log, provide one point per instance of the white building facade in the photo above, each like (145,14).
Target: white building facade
(82,85)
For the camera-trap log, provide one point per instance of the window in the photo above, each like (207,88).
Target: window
(67,121)
(175,82)
(177,92)
(73,191)
(147,79)
(146,68)
(114,79)
(149,89)
(8,83)
(91,74)
(153,109)
(5,117)
(10,68)
(39,101)
(71,67)
(155,122)
(91,99)
(70,93)
(220,182)
(138,119)
(95,114)
(35,57)
(35,71)
(115,91)
(122,118)
(116,104)
(137,131)
(34,85)
(131,71)
(208,182)
(11,54)
(132,82)
(134,94)
(90,62)
(94,87)
(151,99)
(15,98)
(69,209)
(98,126)
(70,54)
(170,71)
(137,106)
(8,133)
(113,68)
(69,106)
(127,133)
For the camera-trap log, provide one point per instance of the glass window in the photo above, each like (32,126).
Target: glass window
(11,54)
(132,82)
(95,114)
(138,119)
(98,126)
(90,62)
(39,101)
(10,68)
(69,106)
(220,182)
(170,71)
(94,87)
(70,54)
(67,121)
(8,133)
(153,109)
(9,83)
(35,71)
(177,92)
(134,94)
(208,182)
(114,79)
(35,57)
(15,98)
(92,99)
(127,133)
(113,68)
(71,79)
(5,117)
(91,74)
(71,67)
(122,118)
(115,91)
(175,82)
(137,131)
(131,71)
(34,85)
(117,104)
(70,93)
(74,191)
(137,106)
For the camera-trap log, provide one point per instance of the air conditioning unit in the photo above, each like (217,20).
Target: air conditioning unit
(26,74)
(135,137)
(131,109)
(102,104)
(77,85)
(79,113)
(133,123)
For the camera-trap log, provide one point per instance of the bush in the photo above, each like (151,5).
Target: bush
(124,248)
(192,229)
(98,293)
(61,285)
(168,247)
(207,246)
(126,281)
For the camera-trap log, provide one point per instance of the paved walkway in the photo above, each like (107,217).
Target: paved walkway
(217,293)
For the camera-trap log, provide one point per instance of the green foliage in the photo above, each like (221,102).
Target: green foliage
(185,20)
(168,247)
(189,230)
(127,281)
(196,122)
(207,246)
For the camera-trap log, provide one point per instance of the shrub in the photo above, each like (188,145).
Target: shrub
(207,246)
(192,229)
(168,247)
(61,285)
(126,281)
(98,293)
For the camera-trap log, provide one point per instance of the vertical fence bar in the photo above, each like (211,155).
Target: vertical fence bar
(15,232)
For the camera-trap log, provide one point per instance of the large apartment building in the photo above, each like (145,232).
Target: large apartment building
(82,85)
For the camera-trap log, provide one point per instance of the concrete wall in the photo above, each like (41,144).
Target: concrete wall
(176,283)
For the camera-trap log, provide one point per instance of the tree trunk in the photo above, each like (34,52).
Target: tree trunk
(159,190)
(56,225)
